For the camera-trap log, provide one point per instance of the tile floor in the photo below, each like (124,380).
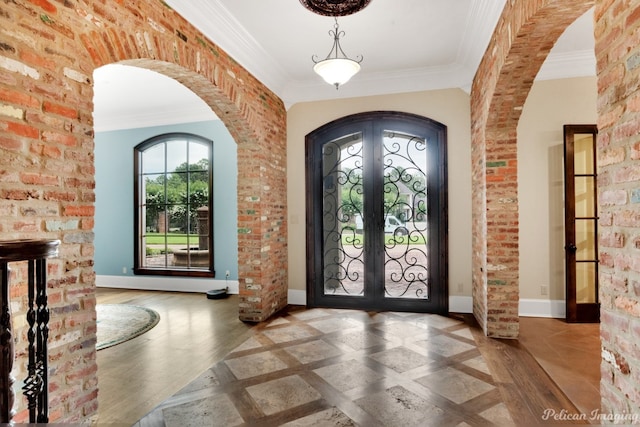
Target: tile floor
(328,367)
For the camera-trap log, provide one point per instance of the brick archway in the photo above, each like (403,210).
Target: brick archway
(48,51)
(525,34)
(259,169)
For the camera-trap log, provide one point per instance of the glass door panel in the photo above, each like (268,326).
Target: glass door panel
(342,216)
(586,282)
(583,155)
(406,265)
(585,239)
(585,196)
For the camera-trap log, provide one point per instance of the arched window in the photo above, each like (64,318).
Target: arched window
(174,209)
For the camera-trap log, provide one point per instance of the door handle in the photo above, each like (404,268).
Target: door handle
(571,247)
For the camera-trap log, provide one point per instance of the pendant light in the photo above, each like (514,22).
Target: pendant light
(336,69)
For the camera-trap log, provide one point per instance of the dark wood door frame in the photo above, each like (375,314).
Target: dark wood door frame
(576,312)
(369,124)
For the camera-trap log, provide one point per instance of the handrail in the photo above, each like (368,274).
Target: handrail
(35,252)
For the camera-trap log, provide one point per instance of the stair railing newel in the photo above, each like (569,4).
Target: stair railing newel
(36,385)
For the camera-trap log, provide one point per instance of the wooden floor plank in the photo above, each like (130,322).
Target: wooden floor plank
(193,333)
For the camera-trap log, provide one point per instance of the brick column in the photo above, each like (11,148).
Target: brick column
(525,33)
(618,62)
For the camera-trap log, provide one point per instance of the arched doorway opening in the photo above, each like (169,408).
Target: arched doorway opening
(131,105)
(499,91)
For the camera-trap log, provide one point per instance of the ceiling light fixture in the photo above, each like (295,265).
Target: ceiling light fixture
(336,69)
(335,7)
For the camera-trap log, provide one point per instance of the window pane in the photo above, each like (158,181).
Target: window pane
(586,283)
(156,252)
(584,192)
(198,189)
(153,189)
(153,159)
(583,154)
(198,155)
(176,154)
(586,239)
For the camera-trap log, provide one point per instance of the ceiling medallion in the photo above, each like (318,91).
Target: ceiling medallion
(335,7)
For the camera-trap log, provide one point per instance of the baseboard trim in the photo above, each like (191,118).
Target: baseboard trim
(297,297)
(460,304)
(542,308)
(457,304)
(170,284)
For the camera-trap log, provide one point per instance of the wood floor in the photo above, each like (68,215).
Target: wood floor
(194,333)
(570,354)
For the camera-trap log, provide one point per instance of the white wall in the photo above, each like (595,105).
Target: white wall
(550,105)
(450,107)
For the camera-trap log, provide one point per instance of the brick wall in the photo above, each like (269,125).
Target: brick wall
(48,51)
(526,29)
(526,32)
(618,62)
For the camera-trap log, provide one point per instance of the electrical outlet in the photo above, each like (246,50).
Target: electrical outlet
(227,274)
(544,290)
(124,270)
(460,287)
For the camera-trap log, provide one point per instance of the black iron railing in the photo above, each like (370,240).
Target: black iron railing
(36,385)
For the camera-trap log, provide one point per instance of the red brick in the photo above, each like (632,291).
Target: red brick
(20,129)
(39,179)
(60,196)
(10,143)
(633,18)
(60,110)
(32,58)
(13,96)
(69,140)
(47,6)
(79,210)
(46,150)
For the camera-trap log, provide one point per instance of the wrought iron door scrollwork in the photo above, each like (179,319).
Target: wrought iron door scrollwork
(405,196)
(343,245)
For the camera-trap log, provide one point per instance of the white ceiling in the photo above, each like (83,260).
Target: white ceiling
(407,45)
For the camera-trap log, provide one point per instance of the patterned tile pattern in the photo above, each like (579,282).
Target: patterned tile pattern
(327,367)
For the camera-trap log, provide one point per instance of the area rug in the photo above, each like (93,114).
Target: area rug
(118,323)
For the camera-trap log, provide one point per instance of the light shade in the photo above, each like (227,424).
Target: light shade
(337,71)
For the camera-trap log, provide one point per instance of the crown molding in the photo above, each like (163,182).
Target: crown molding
(212,18)
(567,65)
(237,42)
(234,39)
(153,117)
(478,30)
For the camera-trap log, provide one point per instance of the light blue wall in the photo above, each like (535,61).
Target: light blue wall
(114,228)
